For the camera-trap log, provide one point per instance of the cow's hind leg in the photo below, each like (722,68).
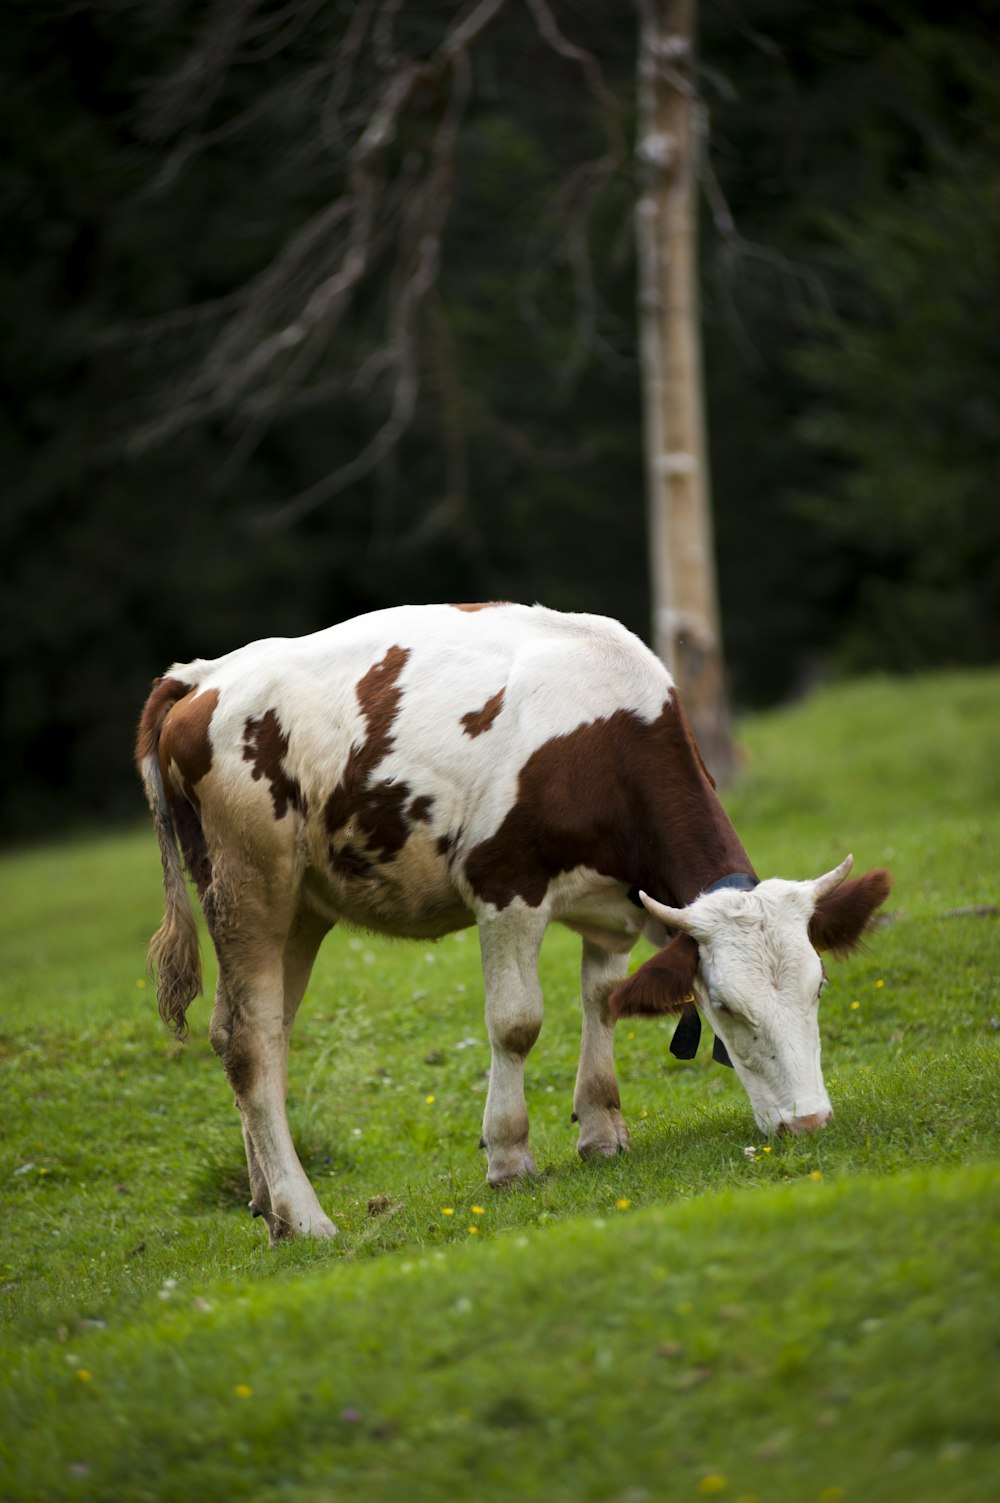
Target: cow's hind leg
(303,941)
(510,946)
(596,1102)
(257,958)
(219,1032)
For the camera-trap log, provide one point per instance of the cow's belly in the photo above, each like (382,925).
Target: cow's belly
(411,896)
(598,909)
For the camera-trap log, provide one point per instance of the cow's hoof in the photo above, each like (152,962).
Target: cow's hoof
(323,1229)
(604,1137)
(281,1232)
(284,1228)
(508,1166)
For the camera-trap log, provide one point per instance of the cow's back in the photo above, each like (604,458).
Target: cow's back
(370,756)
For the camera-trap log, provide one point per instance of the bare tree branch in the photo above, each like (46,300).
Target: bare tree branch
(575,205)
(424,215)
(266,349)
(332,128)
(805,286)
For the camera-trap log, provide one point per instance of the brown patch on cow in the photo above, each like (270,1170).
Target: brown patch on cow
(662,985)
(266,746)
(375,811)
(446,843)
(628,798)
(420,809)
(240,1060)
(519,1038)
(164,695)
(379,697)
(194,847)
(478,721)
(185,740)
(843,916)
(483,605)
(350,862)
(185,744)
(600,1091)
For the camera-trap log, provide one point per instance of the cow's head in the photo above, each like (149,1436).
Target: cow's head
(750,961)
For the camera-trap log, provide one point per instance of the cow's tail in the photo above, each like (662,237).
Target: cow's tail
(173,958)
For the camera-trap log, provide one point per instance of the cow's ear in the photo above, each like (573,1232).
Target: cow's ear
(663,984)
(841,918)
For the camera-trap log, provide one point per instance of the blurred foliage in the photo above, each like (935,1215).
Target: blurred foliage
(849,319)
(906,377)
(837,117)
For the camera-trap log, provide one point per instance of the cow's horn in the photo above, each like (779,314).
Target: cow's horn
(674,918)
(827,883)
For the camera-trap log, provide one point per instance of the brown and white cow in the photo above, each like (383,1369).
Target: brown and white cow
(419,770)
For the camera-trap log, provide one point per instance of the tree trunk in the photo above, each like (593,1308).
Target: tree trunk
(686,632)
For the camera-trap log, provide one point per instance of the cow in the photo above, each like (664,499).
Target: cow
(421,769)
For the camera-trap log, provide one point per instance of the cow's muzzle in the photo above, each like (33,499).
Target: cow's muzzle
(808,1123)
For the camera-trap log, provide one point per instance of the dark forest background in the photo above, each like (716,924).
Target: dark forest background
(851,307)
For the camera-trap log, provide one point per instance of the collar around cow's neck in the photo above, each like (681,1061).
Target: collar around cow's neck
(741,881)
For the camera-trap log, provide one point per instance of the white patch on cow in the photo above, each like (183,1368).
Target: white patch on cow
(310,682)
(596,908)
(758,983)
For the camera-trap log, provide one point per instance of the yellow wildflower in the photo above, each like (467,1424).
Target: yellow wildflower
(478,1211)
(447,1210)
(84,1374)
(243,1390)
(855,1006)
(623,1204)
(815,1174)
(429,1100)
(473,1231)
(879,983)
(713,1483)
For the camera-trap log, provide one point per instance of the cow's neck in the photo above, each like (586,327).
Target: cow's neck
(695,843)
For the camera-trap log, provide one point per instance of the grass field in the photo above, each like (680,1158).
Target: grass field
(809,1321)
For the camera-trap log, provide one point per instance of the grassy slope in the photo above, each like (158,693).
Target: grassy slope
(811,1334)
(789,1344)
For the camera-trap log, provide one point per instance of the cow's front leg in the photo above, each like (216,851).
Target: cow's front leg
(596,1103)
(510,944)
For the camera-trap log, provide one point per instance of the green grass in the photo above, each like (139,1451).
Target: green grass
(818,1317)
(785,1343)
